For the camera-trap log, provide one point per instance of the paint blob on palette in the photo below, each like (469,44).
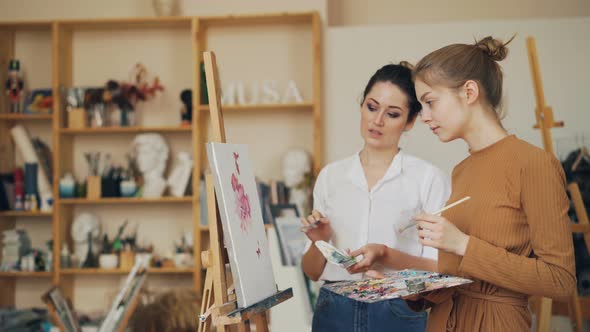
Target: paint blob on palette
(335,255)
(395,285)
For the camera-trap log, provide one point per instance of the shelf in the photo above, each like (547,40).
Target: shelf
(123,130)
(119,200)
(282,18)
(97,271)
(262,107)
(25,214)
(129,23)
(26,274)
(26,25)
(21,116)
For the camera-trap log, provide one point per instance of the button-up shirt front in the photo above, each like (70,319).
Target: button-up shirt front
(359,216)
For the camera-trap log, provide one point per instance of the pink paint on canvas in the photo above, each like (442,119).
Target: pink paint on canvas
(258,252)
(242,201)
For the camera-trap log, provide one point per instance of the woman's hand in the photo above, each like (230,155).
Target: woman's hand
(372,254)
(317,227)
(439,233)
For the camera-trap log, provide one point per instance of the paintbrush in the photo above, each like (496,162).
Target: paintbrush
(311,226)
(413,223)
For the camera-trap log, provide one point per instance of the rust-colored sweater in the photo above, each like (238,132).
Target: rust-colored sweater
(520,243)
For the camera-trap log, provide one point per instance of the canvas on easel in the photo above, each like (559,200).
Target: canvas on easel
(235,221)
(243,227)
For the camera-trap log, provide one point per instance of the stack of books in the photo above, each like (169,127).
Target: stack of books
(15,244)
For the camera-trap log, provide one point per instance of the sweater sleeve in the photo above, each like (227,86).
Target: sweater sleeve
(549,271)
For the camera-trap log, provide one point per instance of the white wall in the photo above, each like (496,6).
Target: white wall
(353,54)
(381,12)
(63,9)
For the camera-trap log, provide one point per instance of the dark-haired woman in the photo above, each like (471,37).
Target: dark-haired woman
(512,238)
(362,200)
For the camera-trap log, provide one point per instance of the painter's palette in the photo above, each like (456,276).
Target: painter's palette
(335,255)
(394,285)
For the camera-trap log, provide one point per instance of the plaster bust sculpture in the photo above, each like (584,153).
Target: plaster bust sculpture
(297,174)
(151,153)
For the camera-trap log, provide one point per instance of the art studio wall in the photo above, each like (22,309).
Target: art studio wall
(354,53)
(383,12)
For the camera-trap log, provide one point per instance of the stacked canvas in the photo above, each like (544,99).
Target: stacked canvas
(15,244)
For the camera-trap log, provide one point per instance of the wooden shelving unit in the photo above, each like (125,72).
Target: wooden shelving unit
(27,214)
(124,130)
(8,219)
(25,117)
(121,200)
(62,41)
(120,271)
(27,274)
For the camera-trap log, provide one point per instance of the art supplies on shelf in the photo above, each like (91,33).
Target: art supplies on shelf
(15,245)
(395,285)
(26,147)
(334,255)
(39,101)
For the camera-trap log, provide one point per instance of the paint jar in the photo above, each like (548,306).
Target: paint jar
(67,186)
(128,188)
(98,116)
(108,261)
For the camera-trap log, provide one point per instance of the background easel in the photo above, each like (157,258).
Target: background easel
(545,121)
(65,318)
(219,306)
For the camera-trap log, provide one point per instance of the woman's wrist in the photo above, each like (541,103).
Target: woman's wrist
(462,245)
(383,253)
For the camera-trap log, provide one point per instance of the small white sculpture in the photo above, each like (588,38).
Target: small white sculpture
(151,153)
(83,224)
(178,179)
(297,174)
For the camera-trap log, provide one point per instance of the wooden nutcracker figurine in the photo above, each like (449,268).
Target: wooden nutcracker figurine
(14,86)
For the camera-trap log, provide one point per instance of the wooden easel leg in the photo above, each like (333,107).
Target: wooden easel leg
(244,326)
(576,313)
(544,315)
(261,322)
(205,325)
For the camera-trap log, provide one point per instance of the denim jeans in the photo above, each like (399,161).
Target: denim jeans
(337,313)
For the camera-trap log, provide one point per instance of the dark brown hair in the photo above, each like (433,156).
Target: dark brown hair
(399,75)
(455,64)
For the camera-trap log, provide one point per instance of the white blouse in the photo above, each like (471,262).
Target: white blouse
(359,216)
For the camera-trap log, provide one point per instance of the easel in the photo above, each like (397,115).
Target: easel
(219,307)
(545,121)
(58,310)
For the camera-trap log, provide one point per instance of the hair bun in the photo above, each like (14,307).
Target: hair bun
(494,48)
(407,65)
